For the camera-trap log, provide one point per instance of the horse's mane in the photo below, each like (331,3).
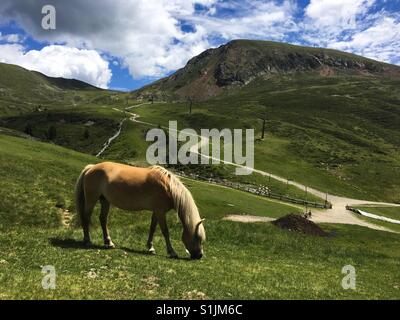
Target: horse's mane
(184,203)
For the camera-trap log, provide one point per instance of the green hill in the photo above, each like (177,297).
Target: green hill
(22,90)
(333,118)
(254,261)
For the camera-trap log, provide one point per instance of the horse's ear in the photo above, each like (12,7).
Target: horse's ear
(198,225)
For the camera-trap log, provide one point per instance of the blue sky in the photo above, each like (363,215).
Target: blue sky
(126,44)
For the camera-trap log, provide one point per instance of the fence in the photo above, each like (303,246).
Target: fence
(259,190)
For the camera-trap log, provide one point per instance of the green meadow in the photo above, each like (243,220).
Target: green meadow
(243,261)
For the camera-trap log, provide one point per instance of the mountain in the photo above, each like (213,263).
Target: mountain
(22,90)
(240,62)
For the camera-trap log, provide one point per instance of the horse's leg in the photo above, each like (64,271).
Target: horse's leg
(86,224)
(105,208)
(153,227)
(162,220)
(91,198)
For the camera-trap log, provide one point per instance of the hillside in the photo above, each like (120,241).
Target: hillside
(37,227)
(240,62)
(337,132)
(22,90)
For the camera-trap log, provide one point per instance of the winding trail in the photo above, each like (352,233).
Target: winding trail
(337,214)
(108,142)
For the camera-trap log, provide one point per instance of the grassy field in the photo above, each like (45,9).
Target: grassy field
(255,261)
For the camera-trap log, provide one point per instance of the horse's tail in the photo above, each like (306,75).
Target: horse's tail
(80,194)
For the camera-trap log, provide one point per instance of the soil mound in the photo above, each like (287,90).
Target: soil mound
(294,222)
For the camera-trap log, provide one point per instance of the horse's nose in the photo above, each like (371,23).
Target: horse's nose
(197,256)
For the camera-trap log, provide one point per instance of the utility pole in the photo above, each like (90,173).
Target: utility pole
(326,199)
(263,117)
(190,99)
(306,202)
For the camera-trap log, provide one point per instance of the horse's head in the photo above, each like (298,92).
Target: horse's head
(194,241)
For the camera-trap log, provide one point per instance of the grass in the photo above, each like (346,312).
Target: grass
(253,261)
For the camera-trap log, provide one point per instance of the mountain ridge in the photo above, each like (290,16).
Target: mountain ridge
(239,62)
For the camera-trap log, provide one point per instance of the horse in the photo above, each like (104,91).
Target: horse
(134,189)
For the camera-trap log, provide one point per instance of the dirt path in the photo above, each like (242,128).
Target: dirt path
(247,218)
(338,213)
(111,139)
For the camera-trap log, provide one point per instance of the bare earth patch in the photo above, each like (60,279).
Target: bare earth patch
(247,218)
(294,222)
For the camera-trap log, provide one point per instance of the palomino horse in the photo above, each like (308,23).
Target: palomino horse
(132,188)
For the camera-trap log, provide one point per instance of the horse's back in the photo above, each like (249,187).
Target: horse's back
(127,187)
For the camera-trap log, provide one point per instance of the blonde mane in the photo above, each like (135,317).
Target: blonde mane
(184,203)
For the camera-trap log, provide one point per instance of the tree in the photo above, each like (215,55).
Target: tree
(52,133)
(86,134)
(28,129)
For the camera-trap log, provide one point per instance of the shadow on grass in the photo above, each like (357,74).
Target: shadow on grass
(72,244)
(75,244)
(146,253)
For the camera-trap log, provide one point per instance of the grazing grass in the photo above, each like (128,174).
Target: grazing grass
(391,226)
(256,261)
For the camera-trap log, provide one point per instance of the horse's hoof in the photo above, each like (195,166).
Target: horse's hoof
(109,245)
(173,256)
(152,251)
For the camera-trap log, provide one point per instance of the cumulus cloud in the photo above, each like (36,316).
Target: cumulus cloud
(354,26)
(381,41)
(154,37)
(147,35)
(60,61)
(142,33)
(255,19)
(337,15)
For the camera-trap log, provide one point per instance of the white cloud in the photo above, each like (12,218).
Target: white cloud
(255,20)
(354,26)
(60,61)
(11,38)
(380,41)
(146,35)
(338,14)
